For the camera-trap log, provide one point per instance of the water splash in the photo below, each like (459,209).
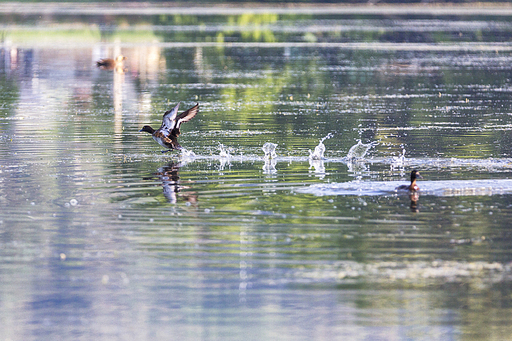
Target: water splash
(185,153)
(328,136)
(318,153)
(270,150)
(398,161)
(357,169)
(269,167)
(318,166)
(359,150)
(223,162)
(224,151)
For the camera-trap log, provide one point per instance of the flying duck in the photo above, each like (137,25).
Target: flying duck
(413,186)
(167,134)
(109,63)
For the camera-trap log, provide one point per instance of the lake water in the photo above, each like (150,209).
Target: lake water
(104,237)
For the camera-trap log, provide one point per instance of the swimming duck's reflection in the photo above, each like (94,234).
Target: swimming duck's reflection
(116,64)
(169,175)
(415,197)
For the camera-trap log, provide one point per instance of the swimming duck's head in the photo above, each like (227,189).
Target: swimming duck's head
(415,175)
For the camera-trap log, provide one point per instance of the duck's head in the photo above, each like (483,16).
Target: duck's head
(415,175)
(147,129)
(120,58)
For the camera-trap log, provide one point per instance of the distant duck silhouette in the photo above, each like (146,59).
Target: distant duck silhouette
(413,186)
(167,134)
(110,64)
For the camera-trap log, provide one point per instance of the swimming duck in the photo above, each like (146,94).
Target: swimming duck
(413,186)
(167,134)
(109,63)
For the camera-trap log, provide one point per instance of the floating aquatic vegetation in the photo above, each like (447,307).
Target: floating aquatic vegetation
(419,272)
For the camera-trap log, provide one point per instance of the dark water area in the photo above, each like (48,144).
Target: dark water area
(102,236)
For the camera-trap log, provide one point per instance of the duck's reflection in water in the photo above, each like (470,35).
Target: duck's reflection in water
(169,175)
(415,197)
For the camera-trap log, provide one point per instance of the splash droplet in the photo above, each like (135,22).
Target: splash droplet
(359,150)
(270,150)
(187,153)
(224,151)
(318,153)
(269,167)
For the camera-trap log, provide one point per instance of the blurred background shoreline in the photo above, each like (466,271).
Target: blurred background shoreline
(220,7)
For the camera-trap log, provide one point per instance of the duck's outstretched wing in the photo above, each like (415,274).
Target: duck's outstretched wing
(169,120)
(185,117)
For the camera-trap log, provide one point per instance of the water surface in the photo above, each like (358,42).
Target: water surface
(102,236)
